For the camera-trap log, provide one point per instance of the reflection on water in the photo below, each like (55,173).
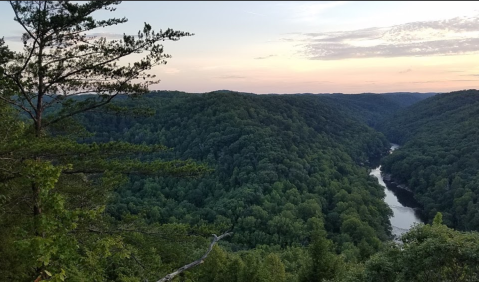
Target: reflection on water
(406,210)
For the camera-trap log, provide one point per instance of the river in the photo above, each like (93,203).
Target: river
(406,210)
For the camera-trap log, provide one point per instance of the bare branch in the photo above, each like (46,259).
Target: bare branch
(57,98)
(137,261)
(91,107)
(81,110)
(60,59)
(89,67)
(21,23)
(196,262)
(15,78)
(28,59)
(18,105)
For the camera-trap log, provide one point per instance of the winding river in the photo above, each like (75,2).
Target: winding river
(407,211)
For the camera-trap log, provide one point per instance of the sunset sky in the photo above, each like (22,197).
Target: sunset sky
(312,47)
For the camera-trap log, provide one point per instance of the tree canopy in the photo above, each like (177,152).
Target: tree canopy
(439,157)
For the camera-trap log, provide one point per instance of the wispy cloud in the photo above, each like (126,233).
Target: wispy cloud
(171,71)
(231,77)
(13,38)
(406,71)
(316,81)
(265,57)
(209,68)
(436,81)
(427,81)
(17,37)
(458,35)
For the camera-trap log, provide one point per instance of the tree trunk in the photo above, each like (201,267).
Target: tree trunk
(36,188)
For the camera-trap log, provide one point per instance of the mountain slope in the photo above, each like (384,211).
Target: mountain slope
(285,165)
(439,158)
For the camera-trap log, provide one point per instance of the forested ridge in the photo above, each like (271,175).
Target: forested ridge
(439,157)
(282,165)
(372,108)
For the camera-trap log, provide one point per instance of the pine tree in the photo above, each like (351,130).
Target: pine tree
(56,186)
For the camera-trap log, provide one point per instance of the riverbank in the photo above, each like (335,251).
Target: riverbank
(406,210)
(389,179)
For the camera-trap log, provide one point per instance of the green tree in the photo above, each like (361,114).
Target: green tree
(214,268)
(427,253)
(274,269)
(324,263)
(61,61)
(234,270)
(62,72)
(437,219)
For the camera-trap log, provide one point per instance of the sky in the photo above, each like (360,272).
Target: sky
(305,47)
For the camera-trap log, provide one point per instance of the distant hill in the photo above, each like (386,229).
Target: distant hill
(372,108)
(367,107)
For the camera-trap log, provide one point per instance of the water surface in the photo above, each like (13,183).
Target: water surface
(406,210)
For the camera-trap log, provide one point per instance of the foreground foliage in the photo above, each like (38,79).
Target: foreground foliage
(53,189)
(427,253)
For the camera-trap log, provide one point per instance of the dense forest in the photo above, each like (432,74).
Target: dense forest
(283,165)
(439,157)
(102,179)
